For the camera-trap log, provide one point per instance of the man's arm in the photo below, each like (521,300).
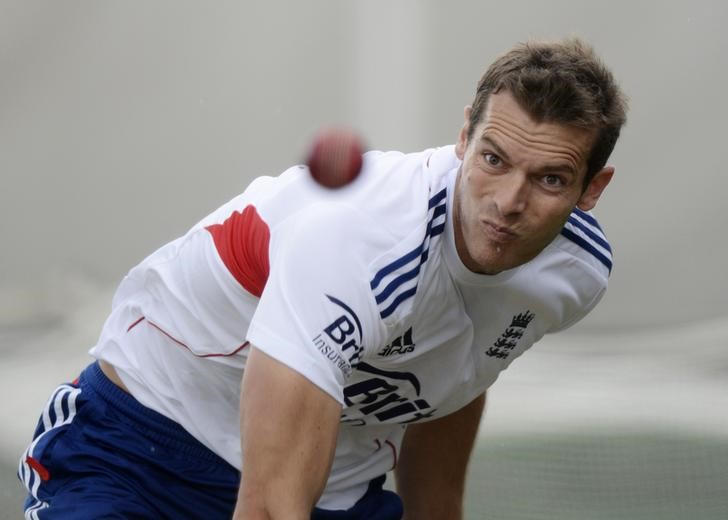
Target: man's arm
(431,470)
(288,436)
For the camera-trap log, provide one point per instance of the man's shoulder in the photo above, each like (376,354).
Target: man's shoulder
(430,164)
(583,238)
(571,275)
(395,192)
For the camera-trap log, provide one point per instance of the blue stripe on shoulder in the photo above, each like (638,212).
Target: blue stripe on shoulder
(587,217)
(588,247)
(399,299)
(387,269)
(438,209)
(590,233)
(437,198)
(394,284)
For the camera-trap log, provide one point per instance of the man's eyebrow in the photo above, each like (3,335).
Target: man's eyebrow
(558,168)
(498,150)
(549,168)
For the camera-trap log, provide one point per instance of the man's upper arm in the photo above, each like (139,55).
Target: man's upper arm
(433,463)
(288,436)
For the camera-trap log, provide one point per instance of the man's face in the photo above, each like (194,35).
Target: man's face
(518,183)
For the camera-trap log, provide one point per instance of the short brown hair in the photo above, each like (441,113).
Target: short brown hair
(562,82)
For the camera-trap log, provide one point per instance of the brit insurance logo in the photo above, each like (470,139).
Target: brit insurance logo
(506,342)
(385,396)
(341,341)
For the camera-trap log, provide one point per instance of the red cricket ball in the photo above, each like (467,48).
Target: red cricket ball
(336,157)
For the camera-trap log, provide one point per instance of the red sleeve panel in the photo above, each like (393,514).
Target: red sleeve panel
(242,243)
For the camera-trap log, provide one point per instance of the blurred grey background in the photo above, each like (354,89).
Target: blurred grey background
(123,123)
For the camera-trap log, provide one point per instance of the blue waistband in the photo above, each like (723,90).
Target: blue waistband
(152,424)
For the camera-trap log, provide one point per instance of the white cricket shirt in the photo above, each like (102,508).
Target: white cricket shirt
(358,289)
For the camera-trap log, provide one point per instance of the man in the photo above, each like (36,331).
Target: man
(318,339)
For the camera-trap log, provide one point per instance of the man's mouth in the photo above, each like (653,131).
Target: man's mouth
(499,233)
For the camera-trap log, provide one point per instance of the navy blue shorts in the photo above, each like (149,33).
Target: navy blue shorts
(98,453)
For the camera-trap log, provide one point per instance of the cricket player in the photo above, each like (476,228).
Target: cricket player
(298,343)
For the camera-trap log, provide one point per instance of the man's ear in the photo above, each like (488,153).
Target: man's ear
(462,143)
(595,188)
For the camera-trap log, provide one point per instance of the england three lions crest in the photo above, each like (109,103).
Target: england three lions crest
(506,342)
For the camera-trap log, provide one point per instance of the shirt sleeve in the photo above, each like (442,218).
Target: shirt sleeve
(583,290)
(317,314)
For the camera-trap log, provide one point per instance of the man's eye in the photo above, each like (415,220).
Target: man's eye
(553,180)
(492,159)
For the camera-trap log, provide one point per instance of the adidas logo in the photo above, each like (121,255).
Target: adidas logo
(401,345)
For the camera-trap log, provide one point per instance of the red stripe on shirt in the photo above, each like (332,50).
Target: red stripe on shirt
(137,322)
(242,243)
(181,344)
(394,450)
(394,453)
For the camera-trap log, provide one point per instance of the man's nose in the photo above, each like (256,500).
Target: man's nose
(511,196)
